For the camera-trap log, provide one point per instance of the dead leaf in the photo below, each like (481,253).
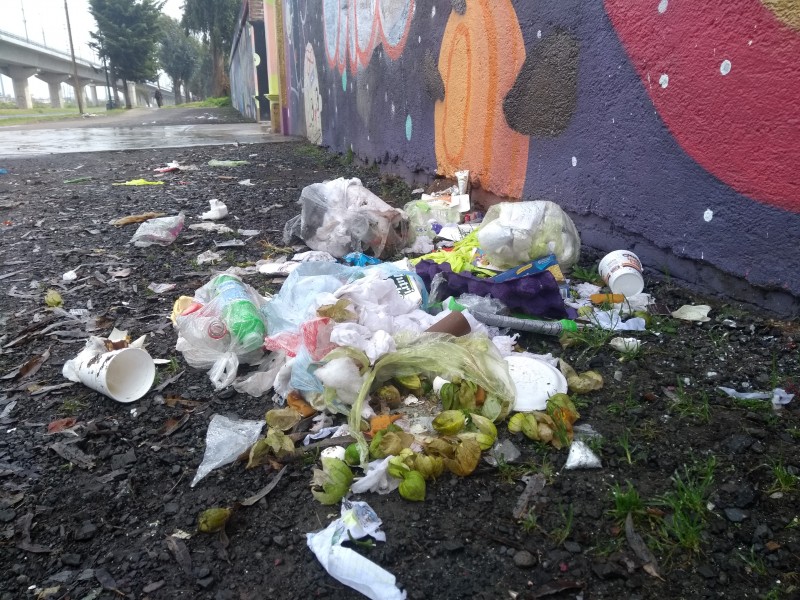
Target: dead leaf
(130,219)
(772,546)
(119,273)
(23,532)
(535,485)
(105,579)
(172,425)
(179,550)
(172,400)
(164,384)
(640,549)
(73,454)
(29,368)
(61,424)
(265,490)
(556,587)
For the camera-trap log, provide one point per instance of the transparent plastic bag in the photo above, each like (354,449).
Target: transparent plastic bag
(226,439)
(221,328)
(161,232)
(343,216)
(514,233)
(422,215)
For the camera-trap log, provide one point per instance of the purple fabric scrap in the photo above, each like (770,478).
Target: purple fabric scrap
(536,295)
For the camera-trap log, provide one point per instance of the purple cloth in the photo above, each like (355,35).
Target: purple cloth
(536,295)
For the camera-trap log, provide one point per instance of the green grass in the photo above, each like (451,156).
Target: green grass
(783,480)
(530,522)
(629,402)
(753,563)
(511,473)
(624,442)
(626,501)
(689,408)
(687,504)
(207,103)
(560,534)
(589,274)
(72,406)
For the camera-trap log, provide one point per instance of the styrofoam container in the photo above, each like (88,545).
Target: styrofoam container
(123,375)
(535,381)
(622,272)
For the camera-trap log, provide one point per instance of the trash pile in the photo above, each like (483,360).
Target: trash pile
(391,346)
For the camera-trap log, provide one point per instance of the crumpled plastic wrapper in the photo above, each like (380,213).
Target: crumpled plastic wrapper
(698,313)
(376,479)
(226,439)
(582,457)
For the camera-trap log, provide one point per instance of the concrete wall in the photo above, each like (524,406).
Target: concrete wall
(244,87)
(668,127)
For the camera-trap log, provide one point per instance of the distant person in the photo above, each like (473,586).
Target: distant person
(159,98)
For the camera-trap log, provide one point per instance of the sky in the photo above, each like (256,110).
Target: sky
(44,22)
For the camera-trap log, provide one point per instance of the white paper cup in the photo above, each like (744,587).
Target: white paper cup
(123,375)
(622,272)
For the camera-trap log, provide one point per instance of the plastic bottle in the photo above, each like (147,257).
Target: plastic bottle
(240,315)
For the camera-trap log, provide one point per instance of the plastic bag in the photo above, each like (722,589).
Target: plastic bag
(425,218)
(221,328)
(342,216)
(513,233)
(226,439)
(161,232)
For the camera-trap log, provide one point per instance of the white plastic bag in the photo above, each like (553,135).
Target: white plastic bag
(161,232)
(226,439)
(214,335)
(514,233)
(343,216)
(217,210)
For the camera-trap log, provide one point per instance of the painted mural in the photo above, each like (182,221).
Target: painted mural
(673,123)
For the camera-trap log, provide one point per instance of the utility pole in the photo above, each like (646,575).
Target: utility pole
(78,91)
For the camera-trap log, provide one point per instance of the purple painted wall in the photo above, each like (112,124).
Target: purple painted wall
(661,127)
(244,85)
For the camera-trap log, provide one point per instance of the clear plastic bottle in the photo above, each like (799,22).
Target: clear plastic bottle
(239,314)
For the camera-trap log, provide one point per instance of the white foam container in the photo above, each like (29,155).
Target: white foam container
(622,272)
(535,381)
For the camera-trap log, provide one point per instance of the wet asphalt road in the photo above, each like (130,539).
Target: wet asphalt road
(140,128)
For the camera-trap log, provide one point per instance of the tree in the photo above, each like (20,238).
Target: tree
(216,21)
(128,32)
(179,55)
(200,83)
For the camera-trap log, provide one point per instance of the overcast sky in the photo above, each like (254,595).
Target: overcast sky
(44,22)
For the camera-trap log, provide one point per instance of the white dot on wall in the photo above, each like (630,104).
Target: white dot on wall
(392,107)
(708,215)
(662,6)
(663,81)
(385,96)
(433,11)
(574,161)
(419,39)
(725,67)
(539,34)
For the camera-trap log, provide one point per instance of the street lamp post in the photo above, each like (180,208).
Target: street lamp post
(78,91)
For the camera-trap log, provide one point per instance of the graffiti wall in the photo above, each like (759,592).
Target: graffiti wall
(669,127)
(244,61)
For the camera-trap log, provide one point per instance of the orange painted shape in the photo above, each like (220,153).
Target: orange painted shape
(481,54)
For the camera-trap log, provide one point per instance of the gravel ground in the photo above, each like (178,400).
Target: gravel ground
(92,513)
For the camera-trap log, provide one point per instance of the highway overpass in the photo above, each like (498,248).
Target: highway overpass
(21,59)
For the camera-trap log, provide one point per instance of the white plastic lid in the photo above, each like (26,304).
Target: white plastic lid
(626,281)
(535,381)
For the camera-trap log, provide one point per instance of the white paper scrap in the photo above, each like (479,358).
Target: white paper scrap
(348,566)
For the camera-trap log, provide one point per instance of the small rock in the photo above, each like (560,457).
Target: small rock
(761,532)
(85,532)
(228,392)
(572,547)
(171,508)
(206,582)
(524,559)
(71,560)
(706,572)
(738,443)
(280,541)
(61,576)
(202,572)
(735,515)
(152,587)
(7,515)
(453,546)
(118,461)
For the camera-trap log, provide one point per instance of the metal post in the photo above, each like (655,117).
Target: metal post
(24,21)
(77,86)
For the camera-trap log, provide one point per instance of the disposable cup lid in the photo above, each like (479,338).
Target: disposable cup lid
(535,381)
(627,283)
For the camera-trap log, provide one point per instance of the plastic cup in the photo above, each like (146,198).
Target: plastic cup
(123,375)
(622,272)
(455,324)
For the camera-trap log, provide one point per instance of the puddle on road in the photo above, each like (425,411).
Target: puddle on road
(102,139)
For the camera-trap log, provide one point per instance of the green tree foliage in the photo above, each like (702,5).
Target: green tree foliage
(128,33)
(216,21)
(200,83)
(179,54)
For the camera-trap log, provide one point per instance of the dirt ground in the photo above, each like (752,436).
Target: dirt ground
(711,482)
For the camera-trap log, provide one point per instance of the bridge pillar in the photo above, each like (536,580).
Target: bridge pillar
(93,95)
(54,81)
(19,76)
